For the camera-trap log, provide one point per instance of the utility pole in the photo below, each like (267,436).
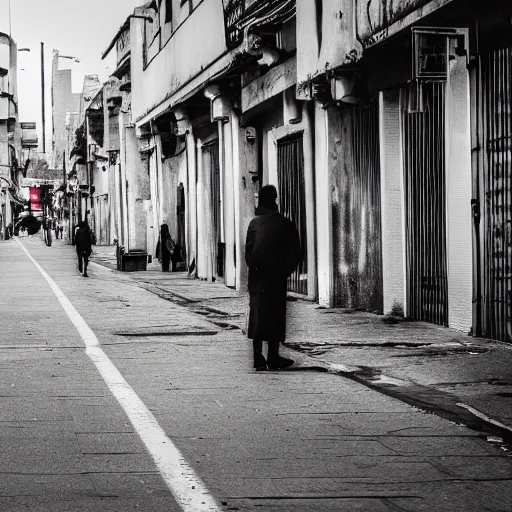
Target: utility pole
(10,20)
(43,99)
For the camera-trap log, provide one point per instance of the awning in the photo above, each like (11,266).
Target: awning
(215,71)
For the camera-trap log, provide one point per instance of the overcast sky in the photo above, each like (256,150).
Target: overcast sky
(80,28)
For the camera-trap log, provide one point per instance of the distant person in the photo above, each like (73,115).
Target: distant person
(272,252)
(83,244)
(9,231)
(166,249)
(58,230)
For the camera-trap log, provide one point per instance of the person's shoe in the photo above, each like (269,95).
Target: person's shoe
(86,274)
(279,363)
(260,363)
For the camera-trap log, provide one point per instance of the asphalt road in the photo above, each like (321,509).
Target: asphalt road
(114,399)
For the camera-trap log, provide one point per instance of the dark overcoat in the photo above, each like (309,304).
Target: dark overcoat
(272,252)
(83,241)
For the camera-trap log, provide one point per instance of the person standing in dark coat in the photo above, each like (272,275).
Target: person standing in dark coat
(165,248)
(83,244)
(272,252)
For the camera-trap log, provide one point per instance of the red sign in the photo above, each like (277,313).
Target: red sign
(35,199)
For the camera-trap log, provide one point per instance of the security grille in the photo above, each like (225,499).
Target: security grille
(292,202)
(425,209)
(211,151)
(496,196)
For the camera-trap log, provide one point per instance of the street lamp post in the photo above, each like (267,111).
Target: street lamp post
(43,99)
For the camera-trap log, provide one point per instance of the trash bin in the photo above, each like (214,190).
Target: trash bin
(134,261)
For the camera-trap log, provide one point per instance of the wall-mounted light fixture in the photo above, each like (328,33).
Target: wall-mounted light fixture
(220,104)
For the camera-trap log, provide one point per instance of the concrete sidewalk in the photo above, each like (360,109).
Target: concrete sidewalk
(465,379)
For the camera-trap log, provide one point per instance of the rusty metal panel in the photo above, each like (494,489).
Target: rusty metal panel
(357,234)
(496,196)
(425,208)
(292,202)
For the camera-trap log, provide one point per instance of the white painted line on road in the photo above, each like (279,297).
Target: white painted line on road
(186,486)
(483,416)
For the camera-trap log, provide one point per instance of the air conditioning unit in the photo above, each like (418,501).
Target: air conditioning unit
(430,51)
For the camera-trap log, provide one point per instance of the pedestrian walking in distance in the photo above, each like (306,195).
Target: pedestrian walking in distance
(83,244)
(272,252)
(165,248)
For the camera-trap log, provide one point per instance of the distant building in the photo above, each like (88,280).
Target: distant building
(64,102)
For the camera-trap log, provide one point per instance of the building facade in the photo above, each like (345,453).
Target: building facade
(16,140)
(385,127)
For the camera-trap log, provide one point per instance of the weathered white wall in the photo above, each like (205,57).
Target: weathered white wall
(121,133)
(323,208)
(324,41)
(458,190)
(392,200)
(229,205)
(198,42)
(138,191)
(245,189)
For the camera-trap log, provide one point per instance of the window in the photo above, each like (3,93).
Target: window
(168,11)
(152,34)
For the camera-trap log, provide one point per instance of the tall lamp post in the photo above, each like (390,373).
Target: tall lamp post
(43,99)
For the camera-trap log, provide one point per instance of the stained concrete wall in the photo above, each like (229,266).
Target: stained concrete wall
(459,194)
(138,190)
(392,202)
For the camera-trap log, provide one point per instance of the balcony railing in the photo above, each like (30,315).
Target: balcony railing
(123,45)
